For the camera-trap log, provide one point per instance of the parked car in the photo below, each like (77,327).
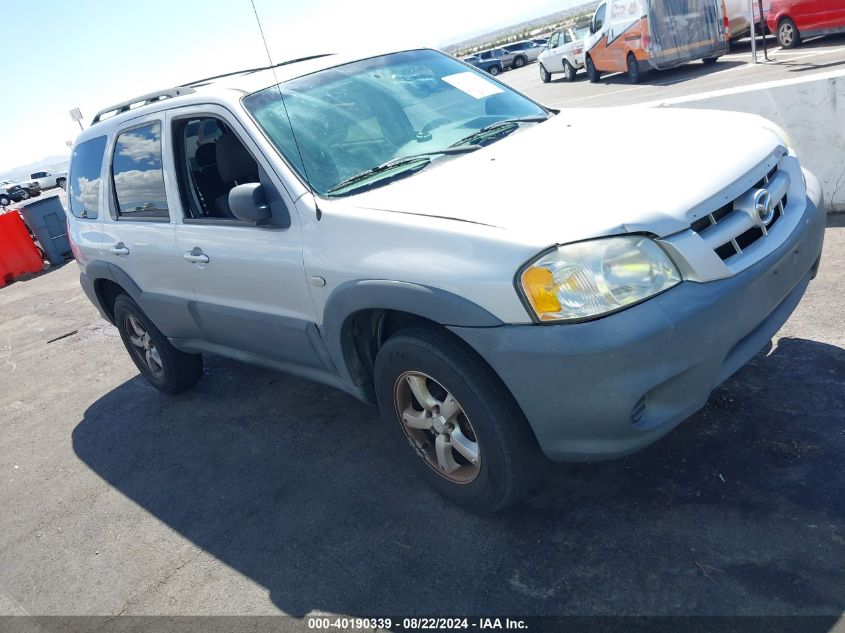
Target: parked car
(492,65)
(793,20)
(564,53)
(386,245)
(658,34)
(524,52)
(32,187)
(11,192)
(541,41)
(48,180)
(503,55)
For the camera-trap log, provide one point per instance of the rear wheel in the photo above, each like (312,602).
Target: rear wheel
(592,74)
(4,200)
(494,70)
(710,60)
(788,35)
(633,69)
(545,75)
(454,422)
(61,182)
(165,367)
(568,71)
(518,62)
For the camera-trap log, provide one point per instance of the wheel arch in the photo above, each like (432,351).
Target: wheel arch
(360,315)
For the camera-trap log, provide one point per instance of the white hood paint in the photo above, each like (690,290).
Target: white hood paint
(589,172)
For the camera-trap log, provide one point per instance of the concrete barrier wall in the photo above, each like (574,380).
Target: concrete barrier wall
(811,110)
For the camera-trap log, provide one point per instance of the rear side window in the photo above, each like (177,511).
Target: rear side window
(86,166)
(137,174)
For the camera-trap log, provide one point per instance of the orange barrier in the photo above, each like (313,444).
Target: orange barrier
(18,254)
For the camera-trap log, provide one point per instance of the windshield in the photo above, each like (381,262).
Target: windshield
(581,32)
(353,118)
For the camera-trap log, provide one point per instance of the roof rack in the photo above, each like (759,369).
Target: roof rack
(247,71)
(152,97)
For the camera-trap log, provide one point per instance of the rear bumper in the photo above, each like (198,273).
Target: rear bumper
(583,386)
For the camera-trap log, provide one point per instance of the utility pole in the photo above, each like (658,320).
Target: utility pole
(753,35)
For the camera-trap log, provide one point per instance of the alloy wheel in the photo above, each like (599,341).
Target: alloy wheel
(437,426)
(143,346)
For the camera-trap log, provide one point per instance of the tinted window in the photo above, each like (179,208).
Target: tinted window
(86,166)
(137,174)
(600,16)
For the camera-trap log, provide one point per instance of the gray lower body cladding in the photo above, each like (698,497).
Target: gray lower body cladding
(609,387)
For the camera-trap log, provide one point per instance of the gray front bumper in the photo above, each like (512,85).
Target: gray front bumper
(579,384)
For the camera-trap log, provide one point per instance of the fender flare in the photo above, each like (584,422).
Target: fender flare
(435,304)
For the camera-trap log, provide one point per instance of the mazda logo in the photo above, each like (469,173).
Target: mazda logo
(763,206)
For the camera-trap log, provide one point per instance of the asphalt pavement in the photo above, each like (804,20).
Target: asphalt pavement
(258,493)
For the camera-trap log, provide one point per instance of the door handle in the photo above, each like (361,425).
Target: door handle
(119,249)
(196,256)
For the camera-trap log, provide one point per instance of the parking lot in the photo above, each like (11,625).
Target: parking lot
(257,493)
(732,70)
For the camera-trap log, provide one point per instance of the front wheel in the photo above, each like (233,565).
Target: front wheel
(545,75)
(165,367)
(788,35)
(568,71)
(25,195)
(592,73)
(519,62)
(454,422)
(709,60)
(61,182)
(5,201)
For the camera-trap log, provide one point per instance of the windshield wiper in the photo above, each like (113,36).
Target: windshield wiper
(422,160)
(503,127)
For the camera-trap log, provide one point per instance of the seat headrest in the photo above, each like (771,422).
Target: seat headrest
(233,160)
(206,155)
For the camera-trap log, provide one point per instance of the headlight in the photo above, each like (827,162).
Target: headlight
(588,279)
(783,134)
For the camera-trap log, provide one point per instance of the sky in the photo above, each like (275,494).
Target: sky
(94,53)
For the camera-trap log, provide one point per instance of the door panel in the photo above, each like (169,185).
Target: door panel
(138,232)
(249,283)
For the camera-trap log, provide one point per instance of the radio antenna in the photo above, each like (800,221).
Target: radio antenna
(285,107)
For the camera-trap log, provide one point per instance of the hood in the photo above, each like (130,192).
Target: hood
(589,172)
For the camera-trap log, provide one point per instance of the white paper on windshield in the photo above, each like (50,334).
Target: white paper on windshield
(473,85)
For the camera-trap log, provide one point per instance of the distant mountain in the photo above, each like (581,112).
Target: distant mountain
(524,30)
(48,163)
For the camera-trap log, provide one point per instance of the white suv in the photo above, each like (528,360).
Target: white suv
(372,224)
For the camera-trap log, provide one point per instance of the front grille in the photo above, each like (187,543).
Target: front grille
(735,227)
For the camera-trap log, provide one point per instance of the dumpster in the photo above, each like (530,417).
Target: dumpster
(18,254)
(47,220)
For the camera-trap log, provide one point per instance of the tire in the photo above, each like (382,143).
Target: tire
(545,75)
(518,61)
(568,71)
(592,73)
(710,60)
(788,34)
(494,70)
(508,462)
(61,182)
(633,69)
(5,201)
(177,371)
(25,195)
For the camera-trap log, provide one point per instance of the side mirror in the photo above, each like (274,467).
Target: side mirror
(249,203)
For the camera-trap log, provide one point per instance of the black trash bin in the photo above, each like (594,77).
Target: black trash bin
(47,220)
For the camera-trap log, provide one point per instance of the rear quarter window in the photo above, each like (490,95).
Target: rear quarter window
(86,166)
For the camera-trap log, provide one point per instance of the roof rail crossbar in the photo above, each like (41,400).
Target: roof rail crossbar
(247,71)
(152,97)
